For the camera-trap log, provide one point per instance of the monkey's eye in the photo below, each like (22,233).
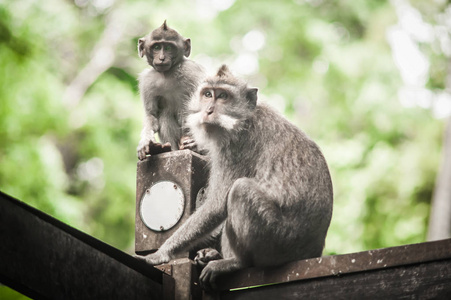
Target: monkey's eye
(207,94)
(223,95)
(156,47)
(167,48)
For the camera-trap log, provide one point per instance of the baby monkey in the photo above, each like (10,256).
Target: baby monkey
(166,89)
(269,187)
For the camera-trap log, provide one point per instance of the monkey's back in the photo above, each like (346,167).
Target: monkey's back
(287,157)
(291,169)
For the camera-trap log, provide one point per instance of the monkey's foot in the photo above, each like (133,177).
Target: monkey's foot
(157,148)
(153,149)
(206,255)
(213,269)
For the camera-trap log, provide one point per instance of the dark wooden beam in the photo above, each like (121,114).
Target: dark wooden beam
(44,258)
(340,264)
(419,270)
(429,280)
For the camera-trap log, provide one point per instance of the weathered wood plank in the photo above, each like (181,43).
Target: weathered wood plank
(339,264)
(431,280)
(44,258)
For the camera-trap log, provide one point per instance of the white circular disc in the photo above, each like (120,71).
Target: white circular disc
(162,206)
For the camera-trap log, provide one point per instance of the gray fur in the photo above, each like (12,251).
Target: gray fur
(166,93)
(269,187)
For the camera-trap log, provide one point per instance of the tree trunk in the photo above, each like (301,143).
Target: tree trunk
(440,217)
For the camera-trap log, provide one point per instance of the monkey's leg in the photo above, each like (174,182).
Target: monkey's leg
(252,219)
(263,228)
(253,222)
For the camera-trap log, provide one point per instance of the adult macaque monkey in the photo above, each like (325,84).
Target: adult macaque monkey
(269,186)
(166,89)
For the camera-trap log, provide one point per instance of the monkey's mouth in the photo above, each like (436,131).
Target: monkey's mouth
(162,67)
(222,121)
(207,119)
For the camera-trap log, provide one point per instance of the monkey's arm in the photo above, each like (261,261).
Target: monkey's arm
(202,222)
(150,126)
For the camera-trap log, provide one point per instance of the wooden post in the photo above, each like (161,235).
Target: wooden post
(184,168)
(185,275)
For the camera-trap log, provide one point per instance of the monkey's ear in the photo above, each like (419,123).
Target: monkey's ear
(251,96)
(141,42)
(187,47)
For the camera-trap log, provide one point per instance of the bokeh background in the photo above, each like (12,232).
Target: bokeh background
(368,80)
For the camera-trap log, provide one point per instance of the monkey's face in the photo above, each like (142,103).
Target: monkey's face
(219,106)
(215,107)
(162,56)
(164,48)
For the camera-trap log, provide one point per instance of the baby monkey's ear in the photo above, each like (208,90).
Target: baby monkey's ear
(141,42)
(187,47)
(251,96)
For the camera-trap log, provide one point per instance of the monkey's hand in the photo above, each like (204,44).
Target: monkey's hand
(150,147)
(206,255)
(144,147)
(153,259)
(187,142)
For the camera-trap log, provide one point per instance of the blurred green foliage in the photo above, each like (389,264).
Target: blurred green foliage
(326,64)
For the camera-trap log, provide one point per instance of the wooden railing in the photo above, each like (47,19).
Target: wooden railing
(44,258)
(418,271)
